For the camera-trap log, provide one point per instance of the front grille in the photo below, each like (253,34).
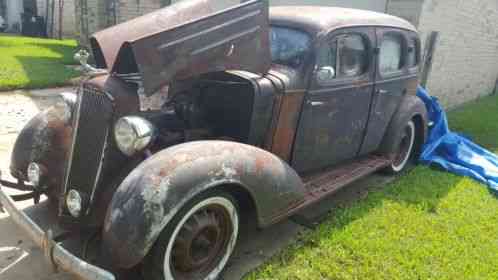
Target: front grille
(91,127)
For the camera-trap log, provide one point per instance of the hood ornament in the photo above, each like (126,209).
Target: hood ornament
(82,57)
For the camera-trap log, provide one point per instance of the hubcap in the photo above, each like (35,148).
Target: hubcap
(202,242)
(405,147)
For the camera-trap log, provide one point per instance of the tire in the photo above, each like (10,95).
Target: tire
(403,153)
(409,120)
(198,242)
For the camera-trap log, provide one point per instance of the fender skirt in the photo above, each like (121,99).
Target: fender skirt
(154,192)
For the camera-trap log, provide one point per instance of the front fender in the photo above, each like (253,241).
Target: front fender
(155,191)
(45,139)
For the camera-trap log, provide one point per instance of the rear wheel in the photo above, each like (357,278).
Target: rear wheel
(198,242)
(404,148)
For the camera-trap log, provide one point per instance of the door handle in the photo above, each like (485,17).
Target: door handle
(382,91)
(316,103)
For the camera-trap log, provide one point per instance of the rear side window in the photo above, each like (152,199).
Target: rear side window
(413,53)
(391,54)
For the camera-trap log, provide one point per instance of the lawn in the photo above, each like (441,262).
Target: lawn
(427,224)
(35,63)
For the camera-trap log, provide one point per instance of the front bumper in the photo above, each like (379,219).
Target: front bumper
(54,252)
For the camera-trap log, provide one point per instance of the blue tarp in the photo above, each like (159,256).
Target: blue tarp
(455,152)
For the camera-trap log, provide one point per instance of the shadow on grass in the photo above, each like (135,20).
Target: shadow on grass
(422,188)
(66,51)
(45,72)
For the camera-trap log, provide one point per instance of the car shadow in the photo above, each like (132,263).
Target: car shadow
(65,51)
(373,191)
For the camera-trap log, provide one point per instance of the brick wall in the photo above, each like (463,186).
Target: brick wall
(128,9)
(407,9)
(465,64)
(91,16)
(68,19)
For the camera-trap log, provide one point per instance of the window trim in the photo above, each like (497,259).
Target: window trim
(369,49)
(404,52)
(417,50)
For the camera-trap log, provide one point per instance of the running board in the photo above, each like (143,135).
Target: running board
(328,181)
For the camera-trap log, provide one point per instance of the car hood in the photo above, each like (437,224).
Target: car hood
(185,40)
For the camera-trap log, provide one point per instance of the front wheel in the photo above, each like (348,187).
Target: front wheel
(198,242)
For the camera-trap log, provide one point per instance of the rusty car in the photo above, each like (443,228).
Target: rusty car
(267,111)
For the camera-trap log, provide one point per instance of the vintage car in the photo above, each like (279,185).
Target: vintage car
(268,111)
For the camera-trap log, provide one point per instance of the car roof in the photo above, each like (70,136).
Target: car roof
(318,20)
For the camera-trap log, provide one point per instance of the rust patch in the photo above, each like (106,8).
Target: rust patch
(411,87)
(285,125)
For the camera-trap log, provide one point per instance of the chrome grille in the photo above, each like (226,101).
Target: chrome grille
(91,128)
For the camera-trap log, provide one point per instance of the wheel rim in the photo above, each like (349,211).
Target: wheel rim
(202,241)
(405,147)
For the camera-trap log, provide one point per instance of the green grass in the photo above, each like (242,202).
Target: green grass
(34,62)
(427,224)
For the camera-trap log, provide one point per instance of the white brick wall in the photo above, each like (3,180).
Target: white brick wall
(465,64)
(128,9)
(407,9)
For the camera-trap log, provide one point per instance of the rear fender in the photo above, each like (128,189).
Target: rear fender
(155,191)
(411,108)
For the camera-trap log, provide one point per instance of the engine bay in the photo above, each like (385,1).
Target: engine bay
(208,109)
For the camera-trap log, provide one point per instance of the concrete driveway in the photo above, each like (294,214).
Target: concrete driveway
(20,259)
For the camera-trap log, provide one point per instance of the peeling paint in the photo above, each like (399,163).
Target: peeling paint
(187,170)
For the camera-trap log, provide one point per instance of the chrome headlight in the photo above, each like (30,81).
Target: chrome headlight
(74,203)
(133,134)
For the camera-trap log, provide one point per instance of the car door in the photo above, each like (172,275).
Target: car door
(397,75)
(335,111)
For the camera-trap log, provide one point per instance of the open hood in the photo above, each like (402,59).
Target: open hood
(185,40)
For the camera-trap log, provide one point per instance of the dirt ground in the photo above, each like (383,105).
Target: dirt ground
(20,259)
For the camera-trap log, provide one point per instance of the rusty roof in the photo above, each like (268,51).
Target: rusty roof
(317,20)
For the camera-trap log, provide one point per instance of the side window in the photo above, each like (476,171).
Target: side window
(391,54)
(345,55)
(352,56)
(413,53)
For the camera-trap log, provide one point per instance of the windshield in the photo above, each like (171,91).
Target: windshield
(289,46)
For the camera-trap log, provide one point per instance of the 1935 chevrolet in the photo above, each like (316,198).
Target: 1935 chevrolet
(268,111)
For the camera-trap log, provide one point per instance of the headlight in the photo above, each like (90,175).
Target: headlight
(74,203)
(35,173)
(133,134)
